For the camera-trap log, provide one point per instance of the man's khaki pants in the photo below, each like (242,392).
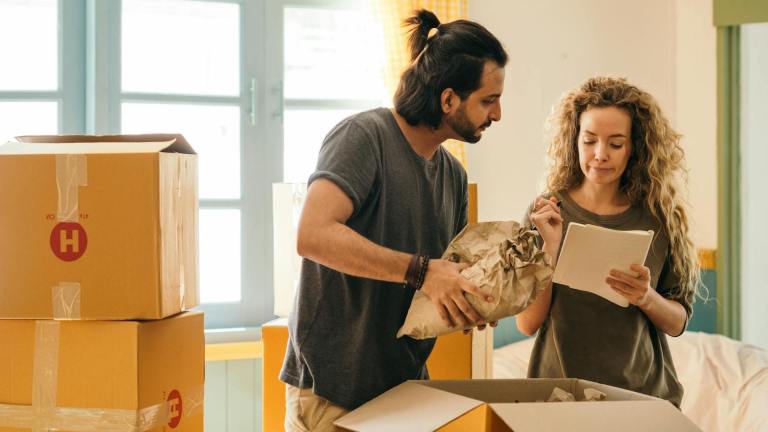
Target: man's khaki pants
(305,412)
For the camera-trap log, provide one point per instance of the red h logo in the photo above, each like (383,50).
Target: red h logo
(175,408)
(68,241)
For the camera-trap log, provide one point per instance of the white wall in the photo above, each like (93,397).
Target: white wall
(754,205)
(554,45)
(696,95)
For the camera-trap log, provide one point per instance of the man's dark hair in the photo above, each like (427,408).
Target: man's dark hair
(454,57)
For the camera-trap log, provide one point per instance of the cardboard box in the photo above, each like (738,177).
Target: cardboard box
(510,405)
(98,227)
(455,356)
(102,375)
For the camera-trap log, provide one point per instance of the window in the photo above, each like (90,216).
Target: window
(753,130)
(329,64)
(254,86)
(38,85)
(333,67)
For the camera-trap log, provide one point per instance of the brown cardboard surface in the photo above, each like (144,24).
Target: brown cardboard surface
(511,405)
(474,421)
(403,408)
(625,416)
(111,365)
(139,213)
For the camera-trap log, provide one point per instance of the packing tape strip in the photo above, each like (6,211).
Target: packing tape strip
(94,419)
(43,415)
(66,301)
(71,173)
(180,223)
(45,371)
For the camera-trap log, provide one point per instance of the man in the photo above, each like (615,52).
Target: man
(383,205)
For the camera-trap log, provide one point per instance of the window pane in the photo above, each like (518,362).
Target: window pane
(212,130)
(303,133)
(28,45)
(28,118)
(181,46)
(219,255)
(332,54)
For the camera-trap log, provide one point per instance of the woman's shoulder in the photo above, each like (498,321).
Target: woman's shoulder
(544,195)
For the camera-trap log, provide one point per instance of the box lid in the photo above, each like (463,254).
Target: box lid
(97,144)
(626,416)
(403,408)
(428,405)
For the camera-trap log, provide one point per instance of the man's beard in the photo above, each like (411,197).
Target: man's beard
(463,127)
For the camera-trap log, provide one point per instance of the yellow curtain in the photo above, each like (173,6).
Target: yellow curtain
(391,13)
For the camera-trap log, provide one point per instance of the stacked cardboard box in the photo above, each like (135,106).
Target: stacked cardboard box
(98,264)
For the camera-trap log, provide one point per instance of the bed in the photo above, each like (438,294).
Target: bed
(726,381)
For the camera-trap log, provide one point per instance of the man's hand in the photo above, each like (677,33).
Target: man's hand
(445,287)
(481,327)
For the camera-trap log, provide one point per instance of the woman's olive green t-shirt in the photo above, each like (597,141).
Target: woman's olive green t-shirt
(586,336)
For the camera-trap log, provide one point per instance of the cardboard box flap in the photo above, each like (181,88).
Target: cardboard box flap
(505,390)
(626,416)
(20,148)
(529,390)
(611,393)
(402,408)
(175,143)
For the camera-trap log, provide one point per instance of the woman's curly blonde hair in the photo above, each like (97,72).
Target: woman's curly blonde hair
(653,173)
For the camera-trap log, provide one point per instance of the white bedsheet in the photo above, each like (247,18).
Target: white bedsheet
(725,381)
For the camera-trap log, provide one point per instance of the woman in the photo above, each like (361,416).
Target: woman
(615,163)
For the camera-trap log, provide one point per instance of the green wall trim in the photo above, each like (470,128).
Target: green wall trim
(735,12)
(729,189)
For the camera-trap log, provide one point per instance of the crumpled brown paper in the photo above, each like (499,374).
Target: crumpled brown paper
(505,262)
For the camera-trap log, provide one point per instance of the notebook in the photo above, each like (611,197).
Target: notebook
(589,252)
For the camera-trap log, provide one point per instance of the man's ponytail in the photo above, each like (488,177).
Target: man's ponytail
(421,23)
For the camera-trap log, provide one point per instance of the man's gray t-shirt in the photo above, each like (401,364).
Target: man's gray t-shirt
(343,328)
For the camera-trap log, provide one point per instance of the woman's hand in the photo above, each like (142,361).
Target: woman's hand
(546,217)
(636,289)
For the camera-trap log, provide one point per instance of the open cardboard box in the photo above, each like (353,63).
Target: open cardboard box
(98,227)
(511,405)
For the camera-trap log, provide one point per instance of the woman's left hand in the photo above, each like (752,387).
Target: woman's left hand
(637,290)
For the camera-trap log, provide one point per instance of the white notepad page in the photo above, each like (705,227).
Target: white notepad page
(589,253)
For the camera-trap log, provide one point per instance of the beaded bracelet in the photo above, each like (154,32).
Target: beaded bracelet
(422,271)
(417,271)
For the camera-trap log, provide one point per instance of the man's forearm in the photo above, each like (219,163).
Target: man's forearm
(339,247)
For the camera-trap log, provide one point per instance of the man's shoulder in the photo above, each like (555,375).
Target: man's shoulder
(370,119)
(363,124)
